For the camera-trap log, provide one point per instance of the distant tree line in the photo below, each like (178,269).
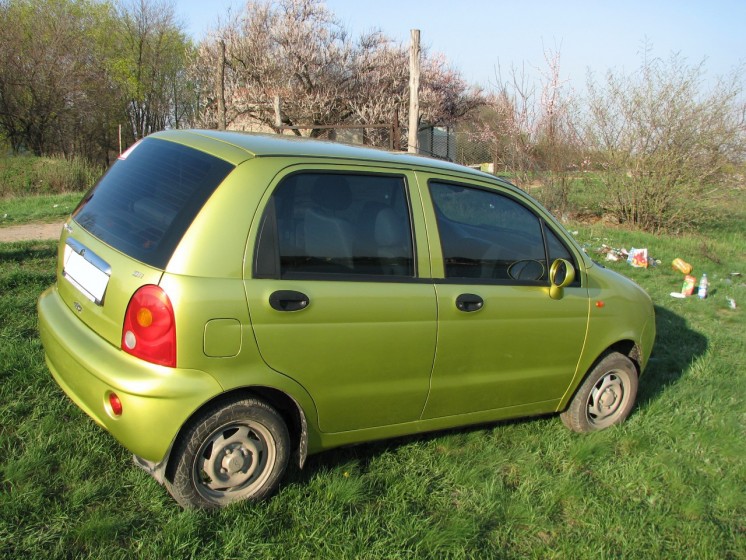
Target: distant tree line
(660,143)
(291,63)
(84,77)
(73,71)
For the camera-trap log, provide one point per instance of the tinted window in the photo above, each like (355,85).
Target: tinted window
(487,235)
(145,203)
(556,249)
(320,223)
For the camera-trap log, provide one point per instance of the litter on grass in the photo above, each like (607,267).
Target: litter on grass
(687,288)
(682,266)
(635,257)
(612,254)
(638,258)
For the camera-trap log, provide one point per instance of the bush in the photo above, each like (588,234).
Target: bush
(30,175)
(663,146)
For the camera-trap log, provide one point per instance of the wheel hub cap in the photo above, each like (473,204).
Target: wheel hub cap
(608,398)
(605,400)
(236,460)
(233,459)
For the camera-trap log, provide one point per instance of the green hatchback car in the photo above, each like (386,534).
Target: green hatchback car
(227,302)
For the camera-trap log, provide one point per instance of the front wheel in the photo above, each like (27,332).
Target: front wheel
(605,398)
(232,452)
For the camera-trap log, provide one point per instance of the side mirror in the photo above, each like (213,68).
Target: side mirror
(561,274)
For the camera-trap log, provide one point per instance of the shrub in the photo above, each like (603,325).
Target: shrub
(664,146)
(28,175)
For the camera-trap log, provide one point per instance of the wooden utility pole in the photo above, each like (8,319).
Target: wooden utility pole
(221,87)
(414,91)
(278,112)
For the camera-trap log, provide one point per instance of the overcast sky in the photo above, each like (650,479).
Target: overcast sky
(478,35)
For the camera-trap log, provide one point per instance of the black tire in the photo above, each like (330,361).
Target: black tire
(605,398)
(231,452)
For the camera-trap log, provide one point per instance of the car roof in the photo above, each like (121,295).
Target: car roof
(238,146)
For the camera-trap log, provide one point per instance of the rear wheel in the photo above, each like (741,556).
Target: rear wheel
(605,398)
(232,452)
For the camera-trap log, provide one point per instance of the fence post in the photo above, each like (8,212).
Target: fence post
(395,142)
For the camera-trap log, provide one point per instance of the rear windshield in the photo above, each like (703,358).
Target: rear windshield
(145,203)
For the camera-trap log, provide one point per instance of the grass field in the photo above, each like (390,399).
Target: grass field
(42,189)
(31,175)
(669,483)
(17,210)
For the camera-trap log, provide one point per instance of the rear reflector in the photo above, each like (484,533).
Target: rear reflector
(115,404)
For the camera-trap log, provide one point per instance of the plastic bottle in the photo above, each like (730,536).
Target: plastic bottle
(702,291)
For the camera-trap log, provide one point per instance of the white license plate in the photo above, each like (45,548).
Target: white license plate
(86,271)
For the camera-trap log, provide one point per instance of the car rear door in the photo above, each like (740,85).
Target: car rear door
(335,295)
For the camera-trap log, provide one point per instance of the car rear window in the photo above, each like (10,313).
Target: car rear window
(145,203)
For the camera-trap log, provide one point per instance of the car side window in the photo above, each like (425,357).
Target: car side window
(336,224)
(556,249)
(486,235)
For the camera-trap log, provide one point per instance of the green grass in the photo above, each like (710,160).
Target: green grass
(669,483)
(17,210)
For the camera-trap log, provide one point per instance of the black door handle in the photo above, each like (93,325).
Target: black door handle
(469,302)
(288,300)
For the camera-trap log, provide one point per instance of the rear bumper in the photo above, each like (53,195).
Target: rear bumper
(156,470)
(156,400)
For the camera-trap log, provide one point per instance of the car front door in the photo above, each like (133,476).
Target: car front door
(503,342)
(335,298)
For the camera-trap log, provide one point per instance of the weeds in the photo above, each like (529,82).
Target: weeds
(29,175)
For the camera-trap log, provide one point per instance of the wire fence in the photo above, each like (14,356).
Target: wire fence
(377,135)
(444,143)
(459,147)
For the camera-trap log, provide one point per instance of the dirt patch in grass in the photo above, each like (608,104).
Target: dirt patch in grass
(30,232)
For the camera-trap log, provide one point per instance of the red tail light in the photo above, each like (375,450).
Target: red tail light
(149,331)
